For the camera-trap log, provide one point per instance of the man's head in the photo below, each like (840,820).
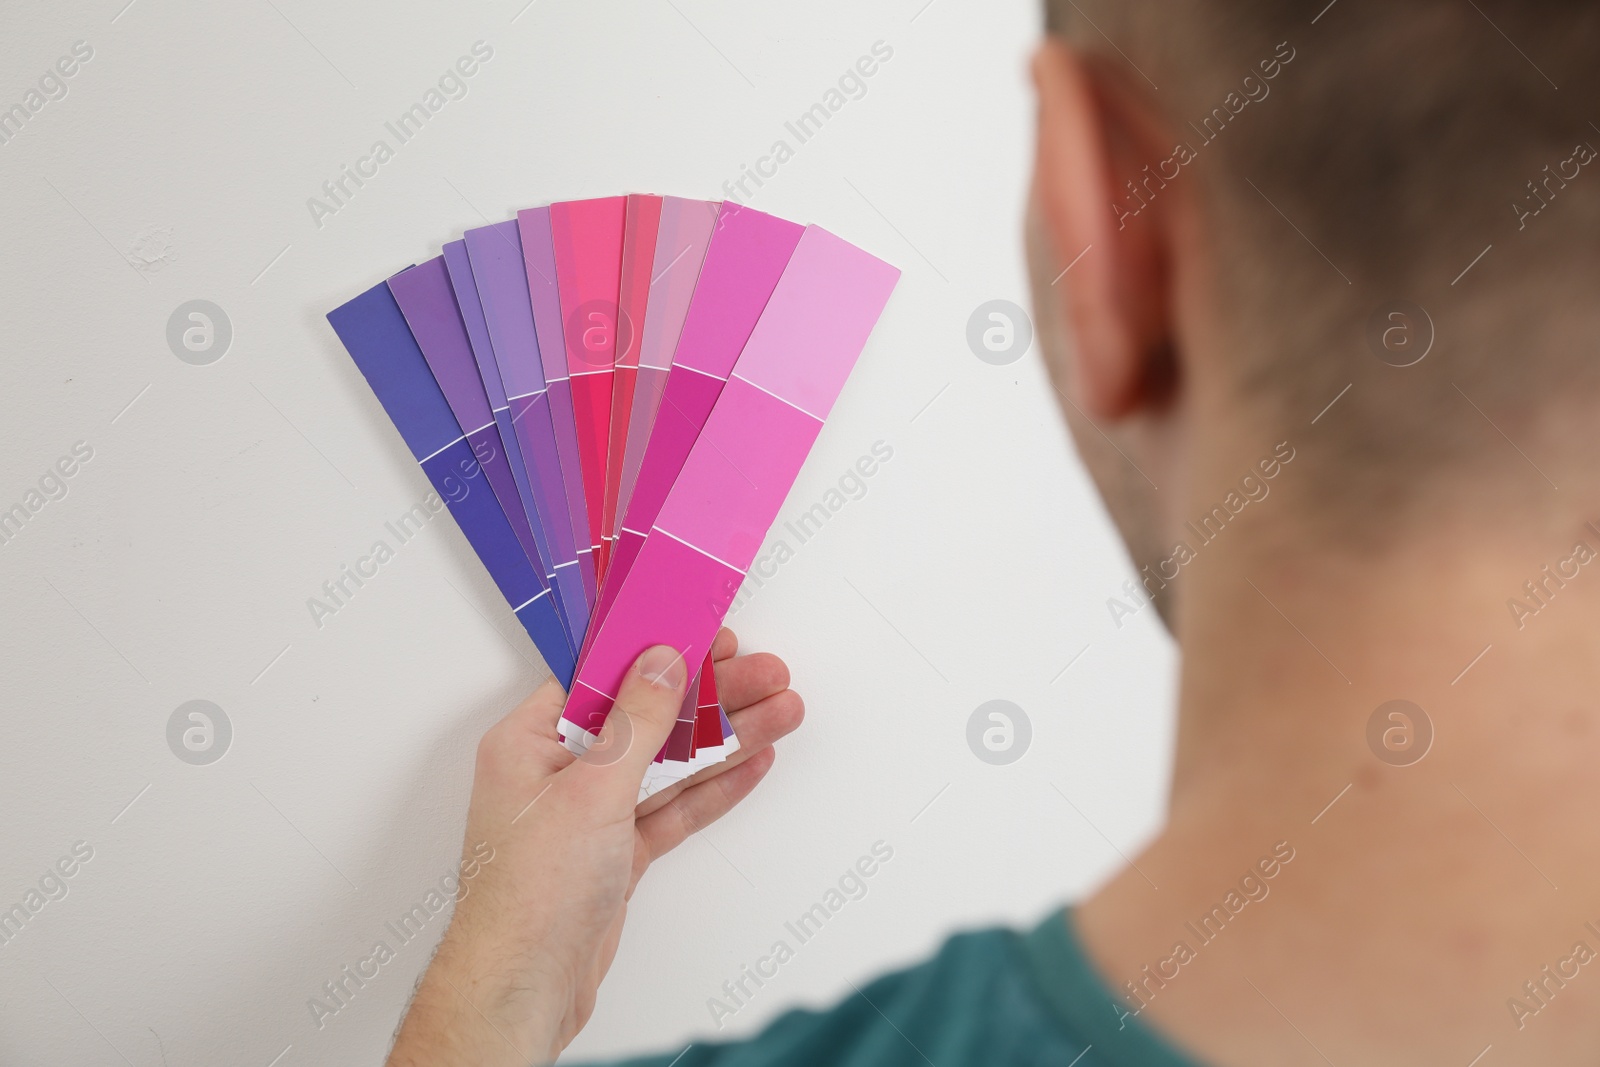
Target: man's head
(1275,206)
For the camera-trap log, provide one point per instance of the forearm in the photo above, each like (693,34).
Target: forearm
(472,1010)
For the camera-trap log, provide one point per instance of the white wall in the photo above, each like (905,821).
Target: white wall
(178,566)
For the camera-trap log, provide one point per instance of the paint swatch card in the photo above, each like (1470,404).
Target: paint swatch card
(681,240)
(539,260)
(738,471)
(383,347)
(495,259)
(747,255)
(614,396)
(639,235)
(587,238)
(458,264)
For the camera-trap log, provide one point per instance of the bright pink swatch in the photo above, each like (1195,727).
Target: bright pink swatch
(746,258)
(587,236)
(737,474)
(638,259)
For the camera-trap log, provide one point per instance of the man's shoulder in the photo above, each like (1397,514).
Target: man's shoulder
(974,1001)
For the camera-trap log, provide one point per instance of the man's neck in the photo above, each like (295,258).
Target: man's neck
(1442,888)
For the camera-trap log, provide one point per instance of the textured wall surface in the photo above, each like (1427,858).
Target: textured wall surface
(215,485)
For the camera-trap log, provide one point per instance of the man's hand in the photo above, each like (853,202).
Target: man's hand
(515,976)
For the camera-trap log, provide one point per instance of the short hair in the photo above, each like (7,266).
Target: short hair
(1357,153)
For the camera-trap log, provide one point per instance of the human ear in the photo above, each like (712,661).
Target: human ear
(1096,136)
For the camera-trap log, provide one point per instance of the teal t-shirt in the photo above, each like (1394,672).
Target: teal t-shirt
(995,998)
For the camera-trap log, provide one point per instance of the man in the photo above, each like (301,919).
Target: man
(1317,288)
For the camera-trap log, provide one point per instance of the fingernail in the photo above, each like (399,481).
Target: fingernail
(662,667)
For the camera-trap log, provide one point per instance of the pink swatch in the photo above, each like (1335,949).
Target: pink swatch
(638,258)
(587,237)
(738,472)
(747,255)
(681,242)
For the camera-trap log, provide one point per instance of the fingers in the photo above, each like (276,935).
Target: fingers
(643,715)
(745,680)
(726,645)
(701,805)
(757,727)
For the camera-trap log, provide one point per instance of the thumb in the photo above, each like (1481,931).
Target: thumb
(640,721)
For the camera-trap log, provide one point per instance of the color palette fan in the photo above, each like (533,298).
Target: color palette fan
(614,397)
